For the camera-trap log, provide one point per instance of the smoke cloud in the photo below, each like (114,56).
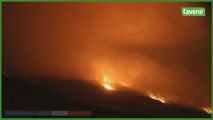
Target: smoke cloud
(149,47)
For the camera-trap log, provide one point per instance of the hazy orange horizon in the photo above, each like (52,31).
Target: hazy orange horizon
(148,47)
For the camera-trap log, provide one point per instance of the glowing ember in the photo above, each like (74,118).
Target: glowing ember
(154,97)
(108,87)
(207,110)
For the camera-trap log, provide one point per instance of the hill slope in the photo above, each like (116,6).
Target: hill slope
(54,94)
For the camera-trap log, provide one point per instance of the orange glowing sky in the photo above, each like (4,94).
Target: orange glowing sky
(148,47)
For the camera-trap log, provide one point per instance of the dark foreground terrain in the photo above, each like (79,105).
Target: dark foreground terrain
(21,93)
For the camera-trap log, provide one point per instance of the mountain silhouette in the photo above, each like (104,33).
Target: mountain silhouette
(43,93)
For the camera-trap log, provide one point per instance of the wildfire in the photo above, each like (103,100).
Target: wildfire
(108,87)
(107,83)
(158,98)
(207,110)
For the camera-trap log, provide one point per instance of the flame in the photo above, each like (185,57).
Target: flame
(108,87)
(107,83)
(124,84)
(207,110)
(158,98)
(106,79)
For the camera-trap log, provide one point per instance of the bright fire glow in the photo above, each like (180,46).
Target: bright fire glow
(207,110)
(152,96)
(107,83)
(108,87)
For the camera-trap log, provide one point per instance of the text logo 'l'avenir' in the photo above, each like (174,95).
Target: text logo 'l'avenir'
(193,11)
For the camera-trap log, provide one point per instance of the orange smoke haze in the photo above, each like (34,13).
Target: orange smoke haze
(148,47)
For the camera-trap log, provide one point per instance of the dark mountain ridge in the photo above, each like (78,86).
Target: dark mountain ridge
(21,93)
